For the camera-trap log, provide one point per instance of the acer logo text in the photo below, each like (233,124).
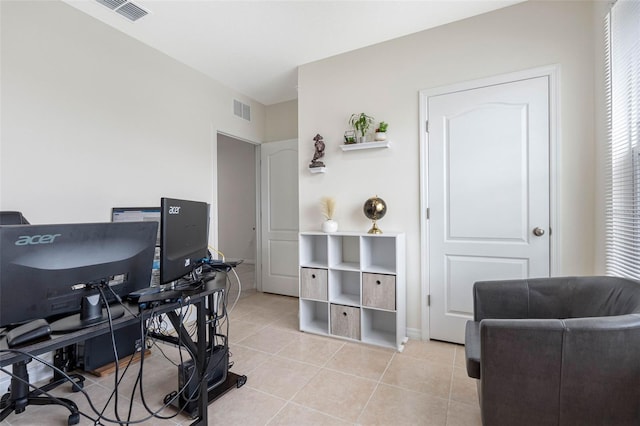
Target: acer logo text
(27,240)
(174,209)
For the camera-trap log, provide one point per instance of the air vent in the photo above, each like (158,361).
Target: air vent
(241,110)
(132,11)
(112,4)
(128,9)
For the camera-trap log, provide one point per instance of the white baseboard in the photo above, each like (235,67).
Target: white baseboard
(414,333)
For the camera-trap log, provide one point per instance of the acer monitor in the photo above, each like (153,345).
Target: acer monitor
(184,237)
(53,271)
(12,218)
(136,214)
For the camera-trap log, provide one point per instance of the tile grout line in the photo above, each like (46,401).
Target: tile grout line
(453,372)
(290,400)
(379,381)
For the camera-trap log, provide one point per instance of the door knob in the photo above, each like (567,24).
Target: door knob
(538,232)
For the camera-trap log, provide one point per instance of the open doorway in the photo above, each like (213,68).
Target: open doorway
(236,177)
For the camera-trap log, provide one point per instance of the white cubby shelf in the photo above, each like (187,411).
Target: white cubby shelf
(353,286)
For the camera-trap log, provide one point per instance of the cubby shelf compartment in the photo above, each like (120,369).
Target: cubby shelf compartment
(344,287)
(314,316)
(344,252)
(364,277)
(378,327)
(376,257)
(313,251)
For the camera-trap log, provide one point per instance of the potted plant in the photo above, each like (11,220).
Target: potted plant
(381,131)
(361,122)
(350,137)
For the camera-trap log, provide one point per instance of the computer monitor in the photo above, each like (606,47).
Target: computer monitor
(12,218)
(137,214)
(50,271)
(184,237)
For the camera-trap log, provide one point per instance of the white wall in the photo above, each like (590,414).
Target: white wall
(281,122)
(92,118)
(237,198)
(384,81)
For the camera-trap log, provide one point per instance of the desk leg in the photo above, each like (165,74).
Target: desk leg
(182,332)
(206,331)
(203,400)
(200,350)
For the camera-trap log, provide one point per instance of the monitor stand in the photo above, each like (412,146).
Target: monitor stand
(91,313)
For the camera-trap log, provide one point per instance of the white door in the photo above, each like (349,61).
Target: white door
(279,217)
(488,194)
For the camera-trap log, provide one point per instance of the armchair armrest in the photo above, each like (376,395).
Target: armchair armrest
(521,363)
(472,349)
(602,365)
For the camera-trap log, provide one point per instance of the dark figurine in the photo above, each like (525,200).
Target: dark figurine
(319,144)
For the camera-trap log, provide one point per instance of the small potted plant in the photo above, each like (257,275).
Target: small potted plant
(361,122)
(350,137)
(381,131)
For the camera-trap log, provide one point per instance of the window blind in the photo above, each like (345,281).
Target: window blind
(622,40)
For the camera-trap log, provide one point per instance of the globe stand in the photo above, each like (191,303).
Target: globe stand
(374,209)
(374,229)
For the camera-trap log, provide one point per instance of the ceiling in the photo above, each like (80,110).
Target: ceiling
(255,47)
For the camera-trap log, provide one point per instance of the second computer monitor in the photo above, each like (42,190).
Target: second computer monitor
(184,237)
(142,214)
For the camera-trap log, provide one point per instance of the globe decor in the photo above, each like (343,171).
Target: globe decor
(375,208)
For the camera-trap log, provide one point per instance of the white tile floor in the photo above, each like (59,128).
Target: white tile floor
(297,378)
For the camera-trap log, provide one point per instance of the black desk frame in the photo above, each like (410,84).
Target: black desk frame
(199,299)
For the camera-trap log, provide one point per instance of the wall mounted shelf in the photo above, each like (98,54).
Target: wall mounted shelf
(317,169)
(365,145)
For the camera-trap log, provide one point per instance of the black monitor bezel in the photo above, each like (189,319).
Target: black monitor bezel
(170,269)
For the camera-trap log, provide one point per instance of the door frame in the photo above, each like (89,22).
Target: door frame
(213,214)
(553,73)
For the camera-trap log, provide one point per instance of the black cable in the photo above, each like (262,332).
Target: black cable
(171,400)
(96,421)
(119,299)
(115,351)
(140,383)
(117,381)
(115,354)
(13,376)
(100,414)
(164,354)
(140,370)
(48,394)
(224,316)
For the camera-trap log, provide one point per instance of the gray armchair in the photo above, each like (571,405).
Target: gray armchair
(556,351)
